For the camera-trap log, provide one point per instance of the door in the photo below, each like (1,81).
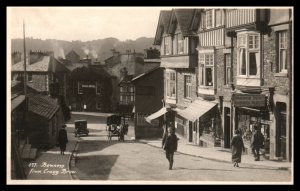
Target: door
(190,131)
(281,131)
(226,127)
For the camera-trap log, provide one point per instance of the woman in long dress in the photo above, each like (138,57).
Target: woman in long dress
(237,146)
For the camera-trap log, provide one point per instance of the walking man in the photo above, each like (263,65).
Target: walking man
(257,142)
(169,144)
(62,139)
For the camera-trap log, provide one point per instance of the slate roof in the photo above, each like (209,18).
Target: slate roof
(42,105)
(187,19)
(184,19)
(144,74)
(45,64)
(39,66)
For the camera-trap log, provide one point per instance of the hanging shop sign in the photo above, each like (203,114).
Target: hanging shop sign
(246,100)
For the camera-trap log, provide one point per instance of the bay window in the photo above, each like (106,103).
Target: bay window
(171,84)
(248,54)
(282,51)
(206,69)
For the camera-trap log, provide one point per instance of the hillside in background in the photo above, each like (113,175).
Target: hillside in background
(100,48)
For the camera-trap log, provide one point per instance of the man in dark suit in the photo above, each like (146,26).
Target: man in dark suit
(257,142)
(169,144)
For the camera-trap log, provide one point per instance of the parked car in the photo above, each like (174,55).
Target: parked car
(81,128)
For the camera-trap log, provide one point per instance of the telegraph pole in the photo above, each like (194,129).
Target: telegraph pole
(25,85)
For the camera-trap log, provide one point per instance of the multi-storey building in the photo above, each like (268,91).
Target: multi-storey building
(241,75)
(42,71)
(261,42)
(177,35)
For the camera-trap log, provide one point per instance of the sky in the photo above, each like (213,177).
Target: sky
(83,23)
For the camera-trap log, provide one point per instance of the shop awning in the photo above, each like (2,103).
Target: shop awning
(196,110)
(156,114)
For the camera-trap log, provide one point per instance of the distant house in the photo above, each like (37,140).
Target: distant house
(132,61)
(42,71)
(73,56)
(90,89)
(149,93)
(44,119)
(126,103)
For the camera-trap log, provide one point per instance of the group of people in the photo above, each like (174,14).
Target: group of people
(237,145)
(170,143)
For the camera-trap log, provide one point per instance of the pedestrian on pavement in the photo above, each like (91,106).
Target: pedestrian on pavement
(62,139)
(257,142)
(169,144)
(237,146)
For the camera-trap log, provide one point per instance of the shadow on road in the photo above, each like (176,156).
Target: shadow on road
(261,168)
(92,145)
(95,167)
(213,169)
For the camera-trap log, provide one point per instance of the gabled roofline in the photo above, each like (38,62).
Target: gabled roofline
(144,74)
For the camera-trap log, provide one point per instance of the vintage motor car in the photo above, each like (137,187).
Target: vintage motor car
(81,128)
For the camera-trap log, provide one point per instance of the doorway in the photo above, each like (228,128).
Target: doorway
(190,131)
(226,127)
(281,130)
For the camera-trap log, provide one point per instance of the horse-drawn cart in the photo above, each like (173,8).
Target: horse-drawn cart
(116,128)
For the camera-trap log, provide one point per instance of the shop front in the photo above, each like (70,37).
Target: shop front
(251,112)
(198,122)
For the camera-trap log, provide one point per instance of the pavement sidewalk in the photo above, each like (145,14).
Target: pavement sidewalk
(220,154)
(50,165)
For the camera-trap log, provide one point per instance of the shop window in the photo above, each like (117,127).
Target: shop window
(248,54)
(282,51)
(206,71)
(187,86)
(171,84)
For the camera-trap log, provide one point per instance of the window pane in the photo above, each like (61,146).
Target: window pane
(209,79)
(252,63)
(251,41)
(201,74)
(282,59)
(209,18)
(242,62)
(256,41)
(218,18)
(228,75)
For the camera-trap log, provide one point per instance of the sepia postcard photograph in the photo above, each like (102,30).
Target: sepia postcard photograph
(150,95)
